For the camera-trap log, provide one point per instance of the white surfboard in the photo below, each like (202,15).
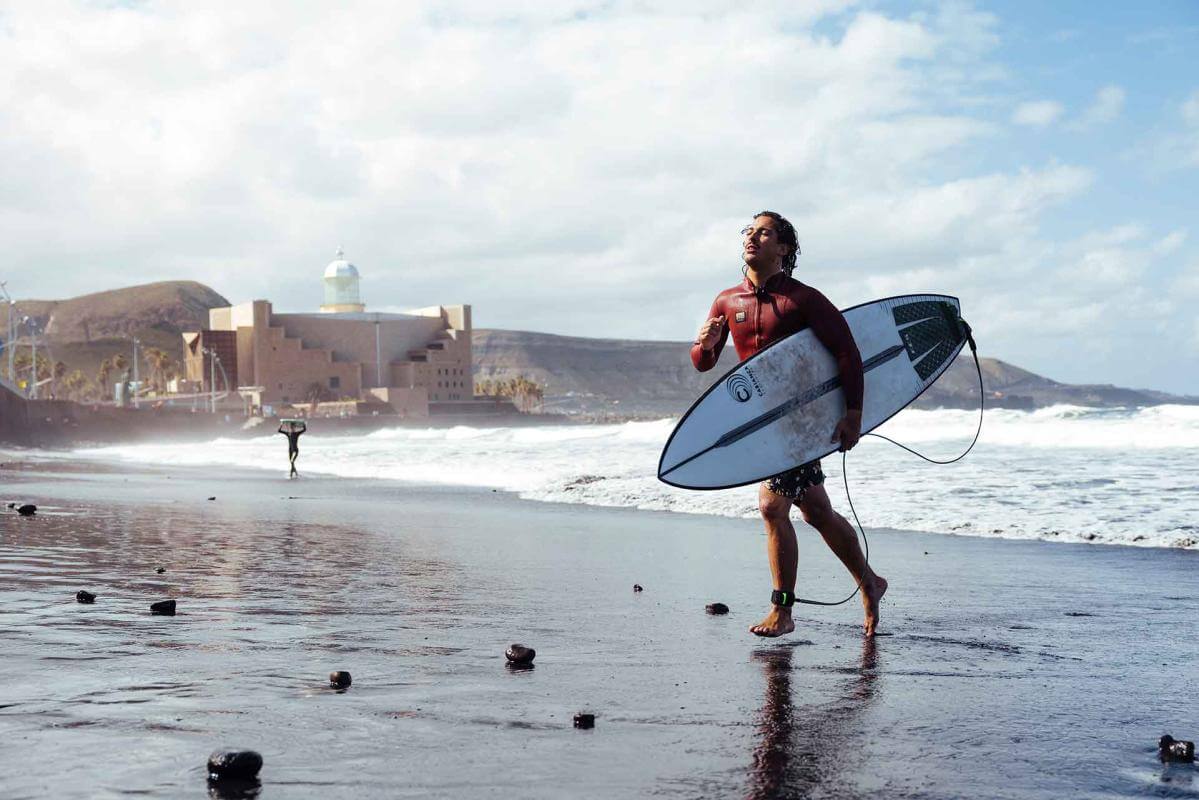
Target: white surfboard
(778,408)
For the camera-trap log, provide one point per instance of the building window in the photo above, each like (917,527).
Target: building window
(335,382)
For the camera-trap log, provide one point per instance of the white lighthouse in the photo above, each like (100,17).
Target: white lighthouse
(341,286)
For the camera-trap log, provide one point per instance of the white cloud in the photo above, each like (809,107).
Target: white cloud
(1170,243)
(1107,106)
(1038,113)
(1174,145)
(196,141)
(1188,142)
(561,166)
(1190,109)
(1186,283)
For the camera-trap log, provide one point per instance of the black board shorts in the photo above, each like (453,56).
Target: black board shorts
(794,482)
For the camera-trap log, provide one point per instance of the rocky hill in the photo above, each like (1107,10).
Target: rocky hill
(83,331)
(622,377)
(171,306)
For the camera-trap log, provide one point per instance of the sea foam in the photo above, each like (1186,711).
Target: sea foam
(1066,473)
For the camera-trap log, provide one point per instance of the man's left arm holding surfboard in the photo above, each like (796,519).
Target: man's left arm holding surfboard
(830,327)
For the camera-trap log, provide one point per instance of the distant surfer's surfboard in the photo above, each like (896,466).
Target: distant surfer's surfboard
(777,409)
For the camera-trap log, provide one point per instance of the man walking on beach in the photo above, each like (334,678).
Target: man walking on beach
(767,306)
(292,429)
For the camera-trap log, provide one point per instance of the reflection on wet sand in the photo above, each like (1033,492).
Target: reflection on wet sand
(799,756)
(234,789)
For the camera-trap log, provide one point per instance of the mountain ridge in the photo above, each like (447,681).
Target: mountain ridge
(580,375)
(643,378)
(84,330)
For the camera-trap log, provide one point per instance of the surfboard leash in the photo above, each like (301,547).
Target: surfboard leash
(845,474)
(981,402)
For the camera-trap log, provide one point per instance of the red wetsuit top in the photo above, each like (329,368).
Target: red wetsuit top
(780,307)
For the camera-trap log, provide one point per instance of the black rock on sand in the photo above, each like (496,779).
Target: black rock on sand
(165,608)
(1171,750)
(234,765)
(520,655)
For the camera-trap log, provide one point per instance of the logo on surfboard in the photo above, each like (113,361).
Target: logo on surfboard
(739,388)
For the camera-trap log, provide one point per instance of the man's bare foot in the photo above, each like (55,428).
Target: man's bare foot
(872,592)
(777,623)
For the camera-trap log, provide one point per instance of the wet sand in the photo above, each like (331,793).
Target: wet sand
(989,684)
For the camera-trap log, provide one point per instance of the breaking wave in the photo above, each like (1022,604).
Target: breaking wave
(1066,473)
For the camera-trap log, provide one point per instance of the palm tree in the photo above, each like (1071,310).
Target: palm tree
(526,394)
(74,385)
(103,375)
(21,362)
(158,360)
(88,391)
(315,393)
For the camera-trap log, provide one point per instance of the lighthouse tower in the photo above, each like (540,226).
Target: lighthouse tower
(341,286)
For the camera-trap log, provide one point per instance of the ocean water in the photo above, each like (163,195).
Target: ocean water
(1065,473)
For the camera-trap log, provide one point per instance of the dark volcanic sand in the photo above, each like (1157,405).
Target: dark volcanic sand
(987,687)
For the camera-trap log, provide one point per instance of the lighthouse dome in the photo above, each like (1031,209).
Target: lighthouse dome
(341,286)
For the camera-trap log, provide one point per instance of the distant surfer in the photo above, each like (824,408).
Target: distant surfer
(769,305)
(292,429)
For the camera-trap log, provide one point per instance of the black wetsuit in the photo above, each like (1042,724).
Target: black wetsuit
(293,447)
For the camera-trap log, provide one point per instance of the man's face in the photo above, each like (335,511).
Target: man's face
(762,249)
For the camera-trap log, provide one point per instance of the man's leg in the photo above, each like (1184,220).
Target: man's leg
(783,552)
(842,539)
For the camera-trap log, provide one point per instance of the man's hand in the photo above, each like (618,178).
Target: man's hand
(709,332)
(848,430)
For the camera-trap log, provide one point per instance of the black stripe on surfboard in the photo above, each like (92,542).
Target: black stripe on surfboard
(785,408)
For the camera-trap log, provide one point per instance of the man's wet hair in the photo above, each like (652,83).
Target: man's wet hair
(787,235)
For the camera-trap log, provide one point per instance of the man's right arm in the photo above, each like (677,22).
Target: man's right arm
(705,352)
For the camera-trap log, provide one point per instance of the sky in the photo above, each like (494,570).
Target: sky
(584,167)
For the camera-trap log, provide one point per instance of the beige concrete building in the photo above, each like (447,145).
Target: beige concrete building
(342,353)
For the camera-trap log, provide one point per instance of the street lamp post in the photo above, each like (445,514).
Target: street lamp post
(135,385)
(208,351)
(8,339)
(213,362)
(33,369)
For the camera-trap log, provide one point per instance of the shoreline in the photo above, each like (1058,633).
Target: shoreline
(61,459)
(418,590)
